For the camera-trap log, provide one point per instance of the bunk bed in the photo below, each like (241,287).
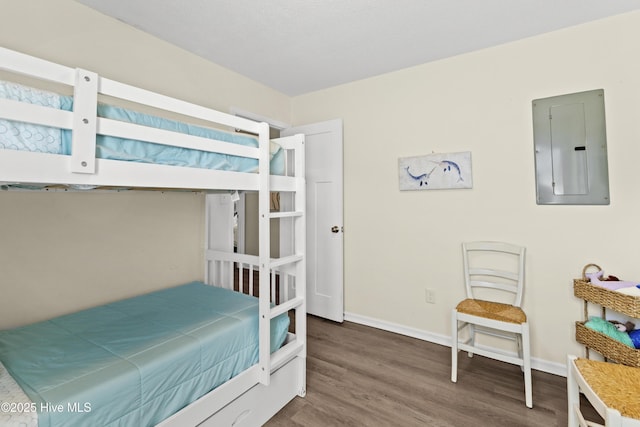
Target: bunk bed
(146,342)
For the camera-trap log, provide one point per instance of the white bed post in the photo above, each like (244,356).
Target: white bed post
(264,248)
(300,230)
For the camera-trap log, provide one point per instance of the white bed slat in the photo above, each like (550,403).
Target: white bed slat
(240,277)
(286,214)
(273,288)
(286,260)
(83,138)
(21,63)
(35,114)
(285,353)
(28,167)
(286,306)
(160,136)
(142,96)
(284,283)
(232,256)
(251,281)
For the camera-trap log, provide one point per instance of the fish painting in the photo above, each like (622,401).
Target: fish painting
(435,171)
(448,164)
(423,178)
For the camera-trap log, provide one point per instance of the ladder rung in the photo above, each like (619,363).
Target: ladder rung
(286,306)
(277,262)
(285,352)
(288,214)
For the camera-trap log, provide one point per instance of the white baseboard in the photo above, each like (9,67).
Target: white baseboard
(537,364)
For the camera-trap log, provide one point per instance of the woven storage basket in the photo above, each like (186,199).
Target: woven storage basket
(609,348)
(617,301)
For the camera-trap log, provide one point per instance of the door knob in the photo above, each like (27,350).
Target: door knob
(335,229)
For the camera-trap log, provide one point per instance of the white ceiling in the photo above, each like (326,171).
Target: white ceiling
(299,46)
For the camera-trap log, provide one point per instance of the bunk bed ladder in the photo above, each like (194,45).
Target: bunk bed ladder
(223,264)
(292,264)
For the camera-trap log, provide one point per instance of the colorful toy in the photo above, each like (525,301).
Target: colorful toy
(612,285)
(635,337)
(623,327)
(634,334)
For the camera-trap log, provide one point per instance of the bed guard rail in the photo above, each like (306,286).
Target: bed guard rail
(84,122)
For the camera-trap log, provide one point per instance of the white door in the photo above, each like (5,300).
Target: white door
(323,163)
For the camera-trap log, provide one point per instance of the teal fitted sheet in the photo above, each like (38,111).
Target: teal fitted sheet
(137,361)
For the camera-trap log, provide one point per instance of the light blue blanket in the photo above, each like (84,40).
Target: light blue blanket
(27,137)
(136,361)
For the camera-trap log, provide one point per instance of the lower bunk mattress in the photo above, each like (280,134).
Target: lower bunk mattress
(133,362)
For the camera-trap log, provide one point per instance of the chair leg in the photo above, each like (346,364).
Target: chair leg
(526,358)
(573,395)
(612,418)
(519,346)
(454,346)
(472,337)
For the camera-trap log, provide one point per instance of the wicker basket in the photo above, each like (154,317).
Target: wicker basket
(617,301)
(608,347)
(608,299)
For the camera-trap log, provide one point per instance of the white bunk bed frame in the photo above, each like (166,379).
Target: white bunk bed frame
(255,395)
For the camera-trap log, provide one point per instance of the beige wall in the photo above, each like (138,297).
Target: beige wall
(64,251)
(481,102)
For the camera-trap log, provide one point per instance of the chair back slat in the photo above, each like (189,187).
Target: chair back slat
(494,285)
(501,274)
(494,265)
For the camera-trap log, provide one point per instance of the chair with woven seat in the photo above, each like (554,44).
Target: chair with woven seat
(493,270)
(612,389)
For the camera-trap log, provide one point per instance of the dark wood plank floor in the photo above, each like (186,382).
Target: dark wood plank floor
(361,376)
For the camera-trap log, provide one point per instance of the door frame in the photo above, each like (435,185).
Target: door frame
(329,306)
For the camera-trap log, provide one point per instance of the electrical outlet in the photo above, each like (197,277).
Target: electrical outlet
(430,296)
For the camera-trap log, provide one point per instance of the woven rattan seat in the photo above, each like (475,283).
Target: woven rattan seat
(611,389)
(617,385)
(492,310)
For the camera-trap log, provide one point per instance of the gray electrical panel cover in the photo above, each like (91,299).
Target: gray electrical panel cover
(571,149)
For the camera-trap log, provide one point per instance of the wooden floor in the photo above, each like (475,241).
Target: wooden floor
(361,376)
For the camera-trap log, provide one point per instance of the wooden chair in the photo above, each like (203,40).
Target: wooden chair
(612,389)
(498,268)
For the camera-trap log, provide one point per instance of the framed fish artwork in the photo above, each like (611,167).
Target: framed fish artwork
(435,171)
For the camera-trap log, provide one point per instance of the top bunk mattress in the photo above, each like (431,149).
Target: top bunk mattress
(37,138)
(137,361)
